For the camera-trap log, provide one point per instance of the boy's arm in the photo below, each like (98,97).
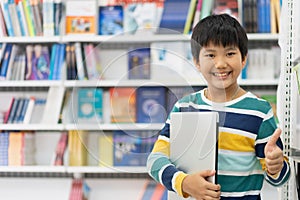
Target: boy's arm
(161,168)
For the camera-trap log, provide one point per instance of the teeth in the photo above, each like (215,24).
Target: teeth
(220,74)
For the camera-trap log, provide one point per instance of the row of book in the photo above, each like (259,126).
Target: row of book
(36,17)
(116,148)
(17,148)
(24,110)
(30,17)
(121,104)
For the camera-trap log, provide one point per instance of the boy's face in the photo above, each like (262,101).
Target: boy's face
(220,65)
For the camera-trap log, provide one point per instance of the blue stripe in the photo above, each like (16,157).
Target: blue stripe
(167,177)
(281,176)
(260,148)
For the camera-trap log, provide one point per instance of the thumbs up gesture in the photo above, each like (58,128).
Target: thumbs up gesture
(273,154)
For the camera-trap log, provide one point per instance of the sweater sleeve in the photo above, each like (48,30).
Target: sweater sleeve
(160,167)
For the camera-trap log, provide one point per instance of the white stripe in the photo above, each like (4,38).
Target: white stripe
(236,173)
(237,153)
(161,172)
(269,115)
(223,108)
(261,141)
(164,138)
(174,180)
(238,132)
(240,194)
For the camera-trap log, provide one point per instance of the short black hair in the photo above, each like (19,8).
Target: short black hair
(219,29)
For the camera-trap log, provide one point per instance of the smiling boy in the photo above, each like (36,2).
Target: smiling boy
(250,148)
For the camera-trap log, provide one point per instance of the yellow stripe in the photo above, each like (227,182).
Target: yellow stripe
(162,146)
(234,142)
(178,183)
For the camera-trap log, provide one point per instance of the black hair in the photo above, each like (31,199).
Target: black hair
(219,29)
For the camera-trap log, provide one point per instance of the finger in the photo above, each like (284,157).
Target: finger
(276,135)
(207,173)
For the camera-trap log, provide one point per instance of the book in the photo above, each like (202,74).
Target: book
(111,20)
(60,149)
(21,17)
(226,6)
(58,13)
(36,9)
(48,17)
(5,61)
(7,17)
(80,64)
(174,16)
(29,17)
(151,105)
(106,147)
(131,148)
(153,190)
(80,17)
(13,111)
(77,148)
(90,105)
(38,108)
(7,112)
(29,110)
(139,63)
(123,105)
(190,17)
(140,17)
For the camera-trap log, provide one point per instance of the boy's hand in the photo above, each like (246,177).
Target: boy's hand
(197,186)
(273,154)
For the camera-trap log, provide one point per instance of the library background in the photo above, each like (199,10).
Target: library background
(87,84)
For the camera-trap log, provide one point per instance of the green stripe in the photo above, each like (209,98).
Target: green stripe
(158,165)
(245,163)
(240,183)
(267,128)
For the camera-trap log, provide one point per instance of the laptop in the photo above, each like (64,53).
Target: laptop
(194,143)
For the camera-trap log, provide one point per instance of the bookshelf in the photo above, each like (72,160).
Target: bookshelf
(48,133)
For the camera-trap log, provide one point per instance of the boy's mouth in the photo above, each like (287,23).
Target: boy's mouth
(221,74)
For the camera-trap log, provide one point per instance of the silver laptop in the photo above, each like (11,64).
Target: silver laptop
(193,143)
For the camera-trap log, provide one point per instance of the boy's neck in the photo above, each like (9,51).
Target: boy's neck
(223,96)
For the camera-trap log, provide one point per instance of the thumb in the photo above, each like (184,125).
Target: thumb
(272,141)
(207,173)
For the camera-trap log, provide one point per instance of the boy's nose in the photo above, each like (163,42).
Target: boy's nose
(220,63)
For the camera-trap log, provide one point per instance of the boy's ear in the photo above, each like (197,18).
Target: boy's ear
(244,62)
(196,63)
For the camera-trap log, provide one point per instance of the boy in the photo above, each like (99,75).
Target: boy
(250,149)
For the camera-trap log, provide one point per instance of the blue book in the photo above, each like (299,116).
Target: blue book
(111,20)
(13,111)
(128,149)
(139,63)
(151,105)
(90,105)
(19,110)
(174,16)
(52,60)
(5,61)
(4,143)
(23,111)
(7,18)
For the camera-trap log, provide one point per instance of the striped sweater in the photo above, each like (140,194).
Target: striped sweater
(246,124)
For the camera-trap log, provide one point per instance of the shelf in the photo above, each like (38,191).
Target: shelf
(36,39)
(113,169)
(32,127)
(108,127)
(137,38)
(34,169)
(41,83)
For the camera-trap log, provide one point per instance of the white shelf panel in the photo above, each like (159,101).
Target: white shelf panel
(34,169)
(131,83)
(36,39)
(32,127)
(137,38)
(113,169)
(132,126)
(42,83)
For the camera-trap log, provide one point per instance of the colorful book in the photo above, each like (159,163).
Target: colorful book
(5,61)
(111,20)
(123,105)
(106,148)
(7,17)
(139,63)
(80,17)
(90,105)
(151,105)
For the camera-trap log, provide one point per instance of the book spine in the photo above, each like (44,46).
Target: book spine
(29,17)
(7,18)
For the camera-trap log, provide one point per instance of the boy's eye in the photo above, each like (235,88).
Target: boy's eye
(210,55)
(231,53)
